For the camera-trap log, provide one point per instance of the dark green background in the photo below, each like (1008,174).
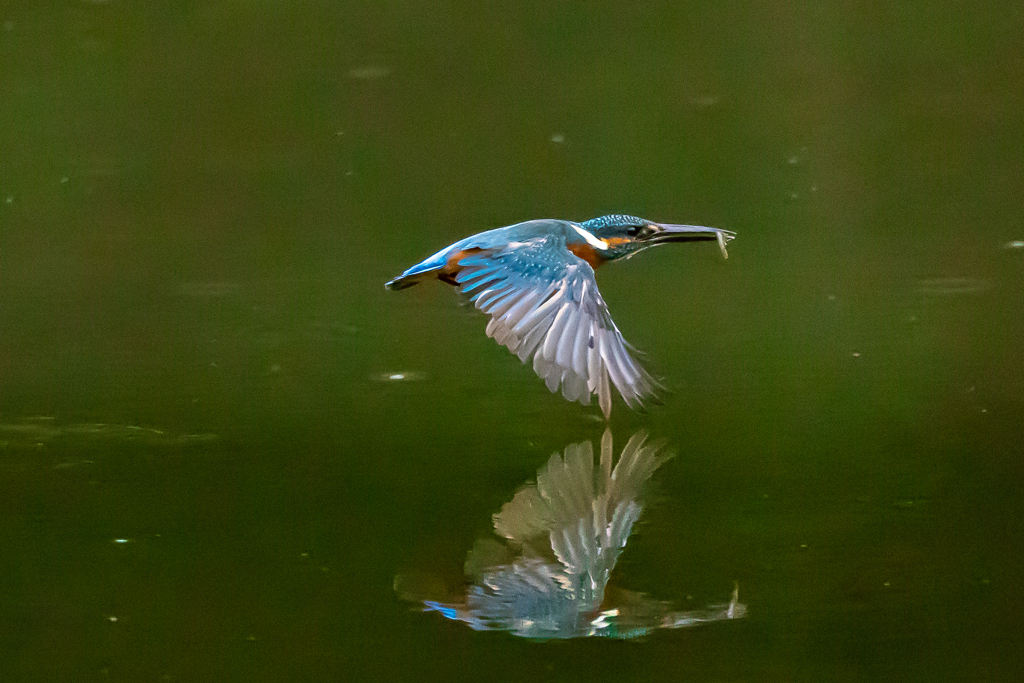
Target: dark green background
(201,201)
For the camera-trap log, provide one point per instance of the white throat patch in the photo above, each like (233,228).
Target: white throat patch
(589,237)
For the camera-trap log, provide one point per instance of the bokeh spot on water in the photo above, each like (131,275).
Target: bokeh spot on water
(207,289)
(370,72)
(399,376)
(703,101)
(952,286)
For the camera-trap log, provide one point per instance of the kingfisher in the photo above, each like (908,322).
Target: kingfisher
(536,282)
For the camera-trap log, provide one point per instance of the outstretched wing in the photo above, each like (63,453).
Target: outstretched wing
(544,303)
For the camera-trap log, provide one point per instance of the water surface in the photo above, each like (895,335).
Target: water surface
(210,469)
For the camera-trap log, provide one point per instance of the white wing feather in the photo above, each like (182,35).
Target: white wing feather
(544,303)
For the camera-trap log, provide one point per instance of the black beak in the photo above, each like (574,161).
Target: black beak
(664,233)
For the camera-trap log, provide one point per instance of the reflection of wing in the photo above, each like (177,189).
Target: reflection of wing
(543,302)
(586,513)
(566,533)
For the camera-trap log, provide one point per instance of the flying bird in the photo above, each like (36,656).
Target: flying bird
(536,282)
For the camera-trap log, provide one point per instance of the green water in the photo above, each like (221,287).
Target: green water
(205,477)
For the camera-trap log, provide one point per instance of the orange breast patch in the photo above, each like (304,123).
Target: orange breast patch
(587,253)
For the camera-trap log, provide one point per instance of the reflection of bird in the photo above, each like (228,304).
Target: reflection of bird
(536,281)
(563,537)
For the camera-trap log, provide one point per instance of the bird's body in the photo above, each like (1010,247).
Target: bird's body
(536,281)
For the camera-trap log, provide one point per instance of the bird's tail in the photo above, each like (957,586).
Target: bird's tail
(421,271)
(408,279)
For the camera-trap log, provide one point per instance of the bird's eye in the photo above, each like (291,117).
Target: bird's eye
(632,231)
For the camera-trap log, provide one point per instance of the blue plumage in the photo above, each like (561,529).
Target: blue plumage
(536,282)
(617,220)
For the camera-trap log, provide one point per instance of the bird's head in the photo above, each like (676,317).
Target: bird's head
(622,236)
